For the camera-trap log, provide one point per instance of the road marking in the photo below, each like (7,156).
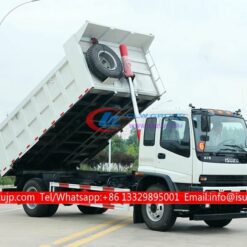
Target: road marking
(99,234)
(84,232)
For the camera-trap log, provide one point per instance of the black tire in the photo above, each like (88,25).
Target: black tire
(52,210)
(38,210)
(165,219)
(103,62)
(91,210)
(217,223)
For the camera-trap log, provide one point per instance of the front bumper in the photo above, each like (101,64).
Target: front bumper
(225,188)
(213,211)
(219,216)
(219,188)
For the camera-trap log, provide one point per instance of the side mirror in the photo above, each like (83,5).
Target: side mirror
(205,123)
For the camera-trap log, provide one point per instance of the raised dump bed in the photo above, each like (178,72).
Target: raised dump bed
(48,130)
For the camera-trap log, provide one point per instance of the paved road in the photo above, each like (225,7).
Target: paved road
(71,229)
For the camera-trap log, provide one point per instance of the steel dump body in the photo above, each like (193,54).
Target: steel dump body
(47,131)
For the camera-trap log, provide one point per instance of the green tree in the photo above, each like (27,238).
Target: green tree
(118,144)
(100,158)
(124,153)
(133,148)
(132,138)
(7,180)
(122,159)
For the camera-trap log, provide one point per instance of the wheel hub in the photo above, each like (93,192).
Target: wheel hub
(155,211)
(107,60)
(153,208)
(31,189)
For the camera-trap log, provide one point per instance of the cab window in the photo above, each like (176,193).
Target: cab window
(149,132)
(175,135)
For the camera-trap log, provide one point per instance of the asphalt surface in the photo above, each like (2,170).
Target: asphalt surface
(70,228)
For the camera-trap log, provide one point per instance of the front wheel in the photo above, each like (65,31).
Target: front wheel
(217,223)
(158,217)
(91,210)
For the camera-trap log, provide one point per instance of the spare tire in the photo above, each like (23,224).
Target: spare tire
(103,62)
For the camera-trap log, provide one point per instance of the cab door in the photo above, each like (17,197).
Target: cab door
(147,150)
(173,147)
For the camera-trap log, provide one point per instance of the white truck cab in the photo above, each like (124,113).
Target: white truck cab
(195,147)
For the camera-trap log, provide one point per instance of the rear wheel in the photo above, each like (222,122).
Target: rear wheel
(158,217)
(91,210)
(217,223)
(38,210)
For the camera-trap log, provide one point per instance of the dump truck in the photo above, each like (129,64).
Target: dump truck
(64,122)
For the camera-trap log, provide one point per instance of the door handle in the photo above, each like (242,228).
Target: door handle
(161,156)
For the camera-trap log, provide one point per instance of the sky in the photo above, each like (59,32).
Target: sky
(200,46)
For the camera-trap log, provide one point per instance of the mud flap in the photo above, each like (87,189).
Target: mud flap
(137,215)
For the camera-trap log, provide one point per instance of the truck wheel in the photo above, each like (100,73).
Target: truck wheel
(91,210)
(158,217)
(52,209)
(103,62)
(217,223)
(38,210)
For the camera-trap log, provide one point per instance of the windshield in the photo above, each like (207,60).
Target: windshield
(227,134)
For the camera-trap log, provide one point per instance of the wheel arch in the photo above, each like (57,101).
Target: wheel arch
(146,181)
(21,180)
(150,178)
